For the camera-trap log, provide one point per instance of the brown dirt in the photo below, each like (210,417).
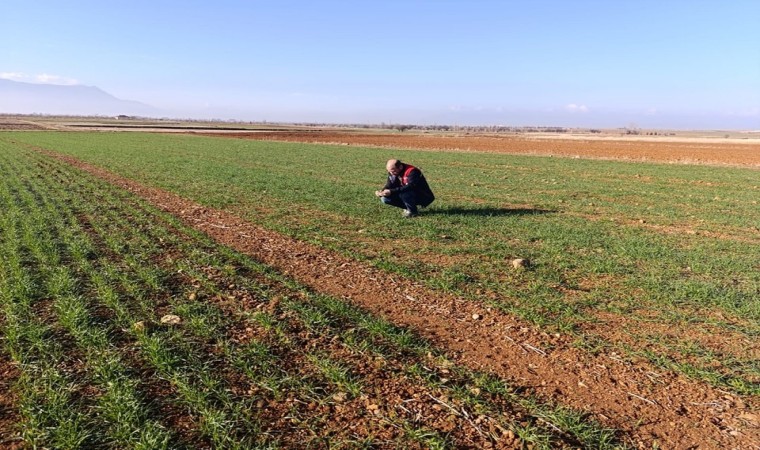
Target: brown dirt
(9,433)
(648,405)
(17,124)
(688,152)
(388,397)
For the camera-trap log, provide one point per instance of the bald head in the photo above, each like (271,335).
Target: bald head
(393,166)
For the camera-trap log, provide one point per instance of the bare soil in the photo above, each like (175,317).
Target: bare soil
(646,404)
(9,432)
(7,123)
(732,152)
(386,396)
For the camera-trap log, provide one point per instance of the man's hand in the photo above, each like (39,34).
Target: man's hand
(383,193)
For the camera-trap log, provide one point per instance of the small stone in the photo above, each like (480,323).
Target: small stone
(171,319)
(520,263)
(476,317)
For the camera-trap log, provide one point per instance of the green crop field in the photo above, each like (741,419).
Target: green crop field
(87,273)
(654,262)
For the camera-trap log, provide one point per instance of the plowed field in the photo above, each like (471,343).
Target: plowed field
(689,151)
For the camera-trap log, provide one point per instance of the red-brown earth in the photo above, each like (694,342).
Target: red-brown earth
(8,413)
(735,152)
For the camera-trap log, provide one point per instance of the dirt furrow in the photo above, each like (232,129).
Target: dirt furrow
(9,417)
(648,405)
(740,154)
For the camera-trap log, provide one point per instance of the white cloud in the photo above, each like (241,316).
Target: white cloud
(476,108)
(573,108)
(54,79)
(14,76)
(43,78)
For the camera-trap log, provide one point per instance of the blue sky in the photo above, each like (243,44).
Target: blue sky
(654,64)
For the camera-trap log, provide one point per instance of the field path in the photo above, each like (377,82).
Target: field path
(647,405)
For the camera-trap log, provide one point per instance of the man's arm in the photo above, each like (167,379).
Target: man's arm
(386,190)
(411,181)
(389,182)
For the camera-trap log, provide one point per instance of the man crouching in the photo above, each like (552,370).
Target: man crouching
(406,188)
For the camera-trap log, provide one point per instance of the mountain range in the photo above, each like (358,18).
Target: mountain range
(28,98)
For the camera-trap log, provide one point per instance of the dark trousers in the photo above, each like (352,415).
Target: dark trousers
(406,200)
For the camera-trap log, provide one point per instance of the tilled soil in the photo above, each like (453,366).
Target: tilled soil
(646,404)
(9,433)
(15,124)
(387,396)
(660,150)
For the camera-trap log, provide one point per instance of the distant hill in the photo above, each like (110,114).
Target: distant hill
(28,98)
